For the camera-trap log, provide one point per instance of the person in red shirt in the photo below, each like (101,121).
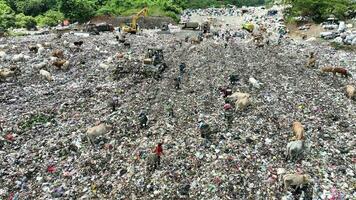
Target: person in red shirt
(159,152)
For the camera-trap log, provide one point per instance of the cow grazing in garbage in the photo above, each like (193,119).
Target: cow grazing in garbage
(294,149)
(97,131)
(297,180)
(58,53)
(350,91)
(344,72)
(311,60)
(298,130)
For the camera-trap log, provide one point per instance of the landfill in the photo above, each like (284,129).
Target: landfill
(78,129)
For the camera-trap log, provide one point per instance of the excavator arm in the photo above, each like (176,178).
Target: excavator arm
(143,12)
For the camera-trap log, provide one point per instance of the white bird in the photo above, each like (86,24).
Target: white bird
(46,75)
(254,82)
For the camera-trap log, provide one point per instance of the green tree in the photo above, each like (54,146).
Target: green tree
(5,8)
(33,7)
(50,18)
(23,21)
(321,9)
(77,10)
(7,18)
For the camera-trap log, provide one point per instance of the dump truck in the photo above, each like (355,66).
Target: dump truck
(153,63)
(190,25)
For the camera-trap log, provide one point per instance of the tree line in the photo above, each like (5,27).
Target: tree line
(29,13)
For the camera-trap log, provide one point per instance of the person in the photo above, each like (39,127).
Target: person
(225,91)
(204,129)
(114,103)
(2,121)
(158,152)
(143,119)
(234,78)
(182,68)
(177,82)
(170,109)
(187,39)
(228,114)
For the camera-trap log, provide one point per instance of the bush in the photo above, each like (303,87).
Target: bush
(173,16)
(50,18)
(34,7)
(4,8)
(7,21)
(319,10)
(23,21)
(106,10)
(77,10)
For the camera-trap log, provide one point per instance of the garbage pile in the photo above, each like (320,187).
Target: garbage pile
(339,32)
(80,119)
(233,11)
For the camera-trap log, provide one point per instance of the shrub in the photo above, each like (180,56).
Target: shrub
(7,21)
(50,18)
(23,21)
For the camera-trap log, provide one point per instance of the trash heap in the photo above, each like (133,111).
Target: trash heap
(73,119)
(338,31)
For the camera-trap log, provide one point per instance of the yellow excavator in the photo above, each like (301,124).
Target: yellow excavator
(132,27)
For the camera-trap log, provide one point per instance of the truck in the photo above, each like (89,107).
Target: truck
(96,28)
(190,25)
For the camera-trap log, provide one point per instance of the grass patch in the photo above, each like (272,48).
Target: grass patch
(154,11)
(15,34)
(338,46)
(36,119)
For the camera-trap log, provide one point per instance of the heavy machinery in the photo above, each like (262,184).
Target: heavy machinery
(165,27)
(96,28)
(190,25)
(153,63)
(132,27)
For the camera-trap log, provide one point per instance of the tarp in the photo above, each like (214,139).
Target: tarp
(248,26)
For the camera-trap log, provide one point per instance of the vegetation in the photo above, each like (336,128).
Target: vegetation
(338,46)
(23,21)
(319,10)
(36,119)
(27,13)
(50,18)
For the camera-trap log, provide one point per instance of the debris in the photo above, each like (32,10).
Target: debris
(212,150)
(46,75)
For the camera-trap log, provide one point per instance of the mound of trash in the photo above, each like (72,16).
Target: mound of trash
(224,119)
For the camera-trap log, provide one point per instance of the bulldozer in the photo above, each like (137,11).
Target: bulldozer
(132,27)
(153,63)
